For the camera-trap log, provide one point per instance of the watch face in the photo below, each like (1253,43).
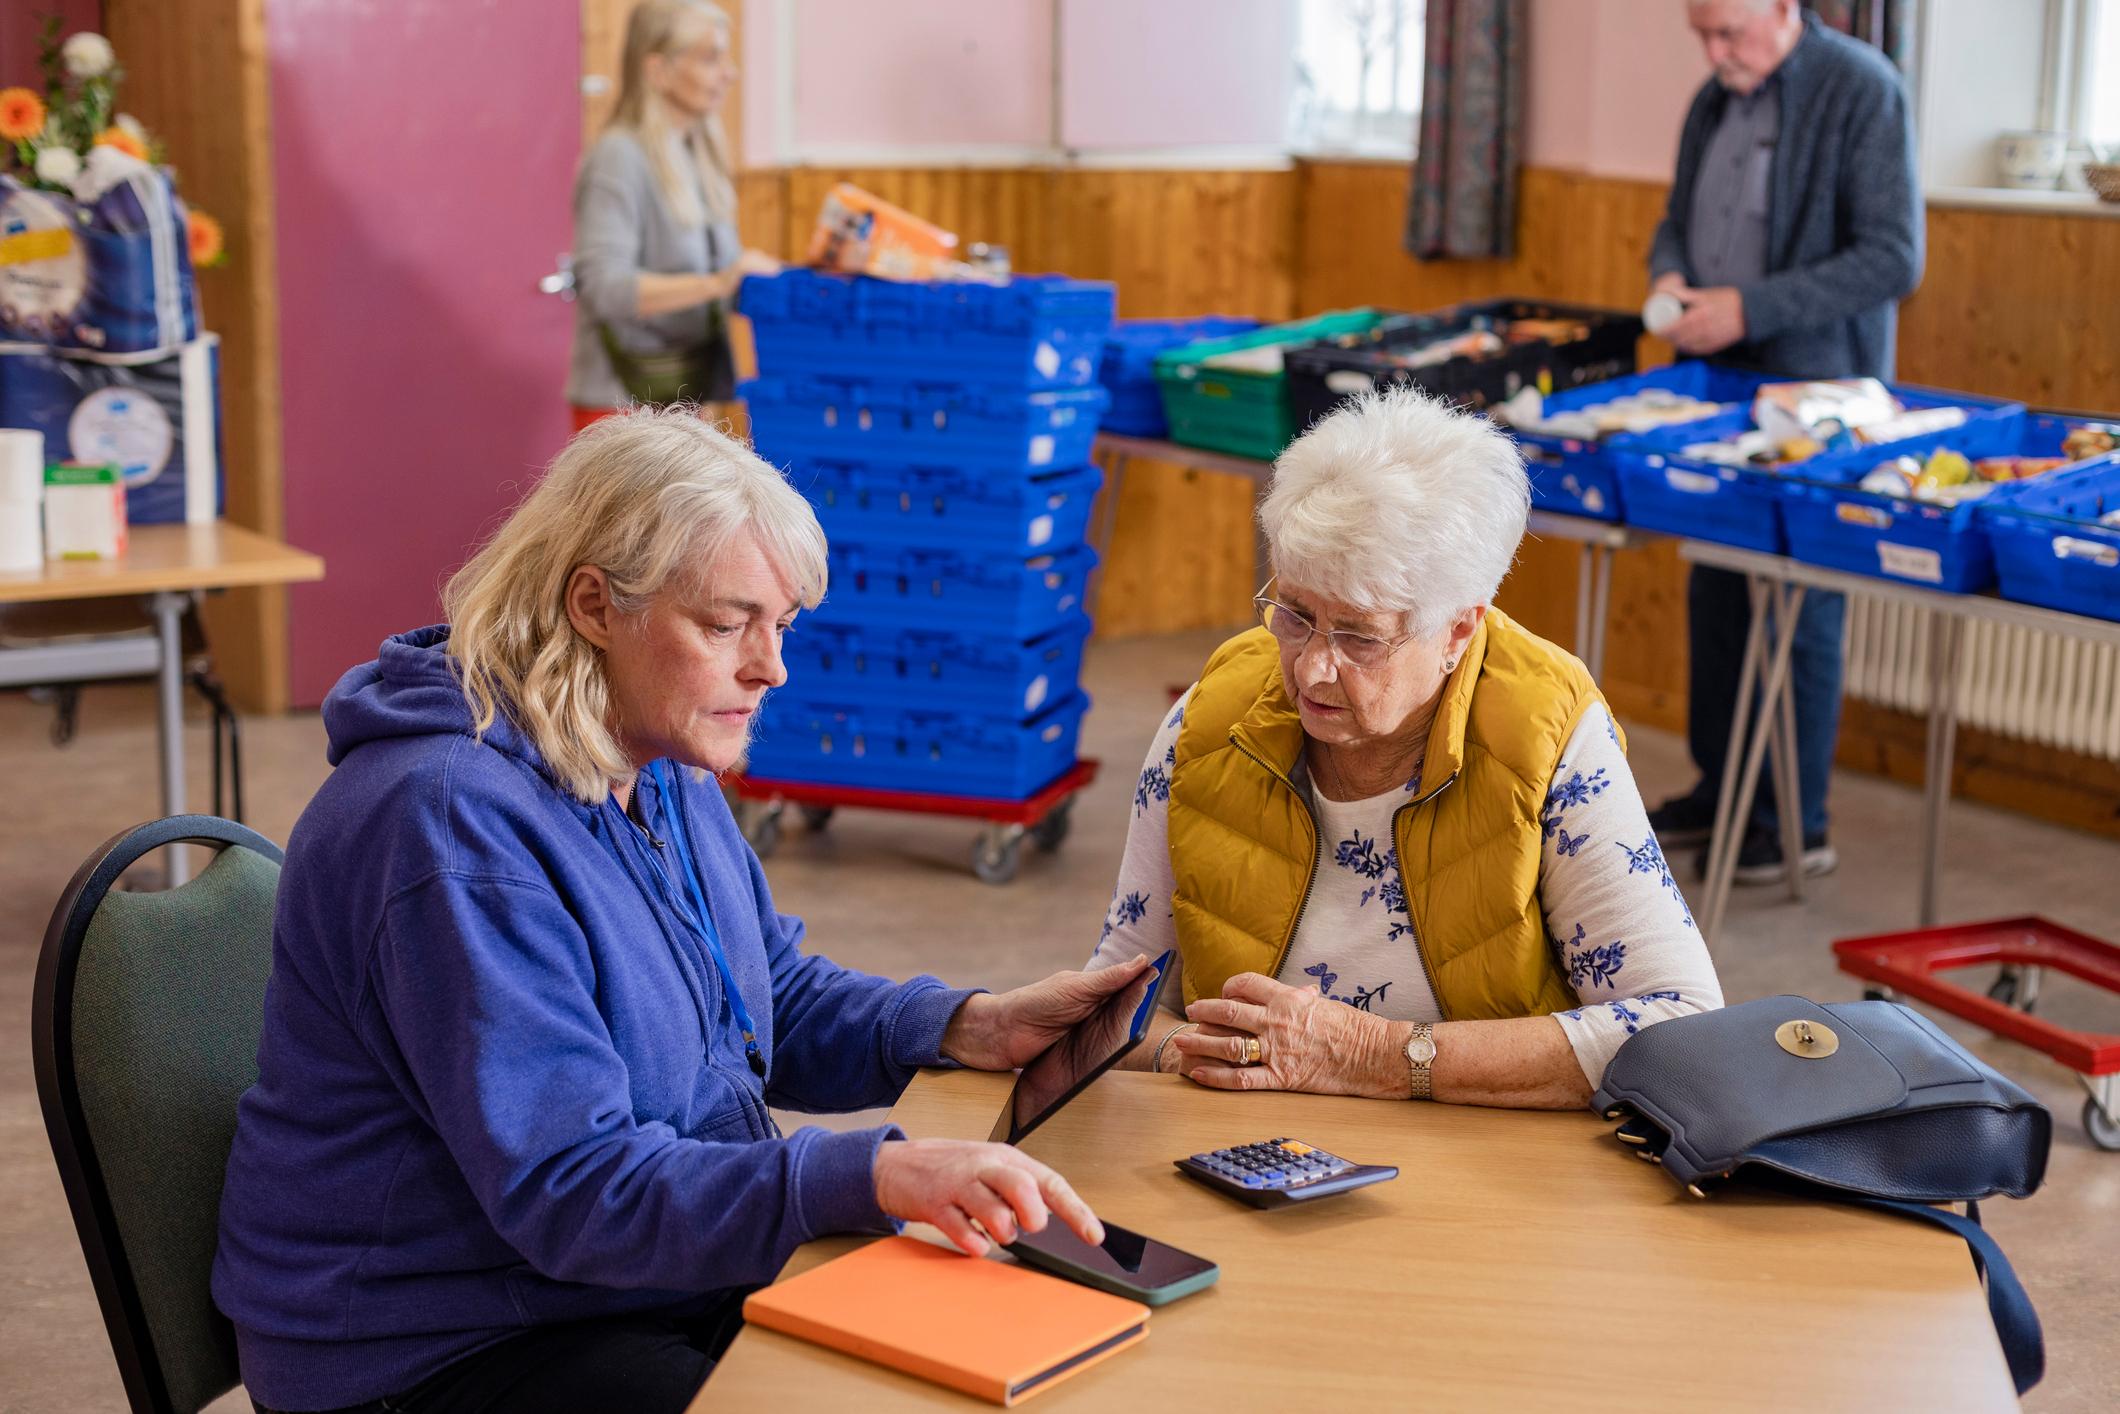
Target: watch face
(1421,1050)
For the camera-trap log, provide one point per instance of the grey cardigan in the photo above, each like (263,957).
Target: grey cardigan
(623,226)
(1844,214)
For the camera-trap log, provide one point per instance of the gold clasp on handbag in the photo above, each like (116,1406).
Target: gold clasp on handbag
(1808,1040)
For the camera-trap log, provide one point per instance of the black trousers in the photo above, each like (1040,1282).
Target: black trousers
(644,1364)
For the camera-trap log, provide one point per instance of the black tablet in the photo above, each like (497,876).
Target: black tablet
(1064,1069)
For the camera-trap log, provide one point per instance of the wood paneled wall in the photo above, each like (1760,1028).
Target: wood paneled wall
(196,74)
(1177,243)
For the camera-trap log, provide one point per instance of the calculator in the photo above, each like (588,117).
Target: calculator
(1280,1172)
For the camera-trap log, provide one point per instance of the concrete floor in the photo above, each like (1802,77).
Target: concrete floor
(893,895)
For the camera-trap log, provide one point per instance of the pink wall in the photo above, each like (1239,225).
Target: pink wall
(422,374)
(1610,79)
(22,21)
(923,72)
(1120,87)
(1610,83)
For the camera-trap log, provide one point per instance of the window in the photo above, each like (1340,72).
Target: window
(1987,68)
(2098,56)
(1358,70)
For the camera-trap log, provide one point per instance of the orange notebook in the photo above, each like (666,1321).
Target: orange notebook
(1000,1332)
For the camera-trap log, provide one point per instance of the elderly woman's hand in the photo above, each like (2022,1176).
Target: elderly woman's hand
(1306,1041)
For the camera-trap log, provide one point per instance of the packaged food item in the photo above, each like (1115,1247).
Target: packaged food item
(862,234)
(2091,440)
(1789,410)
(1636,412)
(84,512)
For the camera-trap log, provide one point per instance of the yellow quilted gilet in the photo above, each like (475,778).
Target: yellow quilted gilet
(1244,847)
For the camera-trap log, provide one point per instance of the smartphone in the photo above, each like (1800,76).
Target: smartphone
(1128,1264)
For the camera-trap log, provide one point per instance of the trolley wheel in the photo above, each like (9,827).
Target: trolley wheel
(816,817)
(2007,987)
(761,827)
(2105,1133)
(996,855)
(1049,832)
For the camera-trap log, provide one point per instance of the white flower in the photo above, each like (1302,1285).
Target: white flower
(128,124)
(58,166)
(88,55)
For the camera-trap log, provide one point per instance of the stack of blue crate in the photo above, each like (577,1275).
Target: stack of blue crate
(943,434)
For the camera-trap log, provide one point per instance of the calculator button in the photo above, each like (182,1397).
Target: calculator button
(1294,1148)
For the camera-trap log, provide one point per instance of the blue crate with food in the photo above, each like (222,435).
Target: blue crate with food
(1128,371)
(1563,435)
(950,505)
(1035,333)
(934,424)
(1725,478)
(1911,516)
(875,582)
(977,672)
(938,750)
(2057,541)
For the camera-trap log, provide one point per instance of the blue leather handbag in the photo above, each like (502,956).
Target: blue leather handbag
(1863,1102)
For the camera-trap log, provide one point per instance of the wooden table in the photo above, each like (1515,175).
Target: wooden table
(1520,1261)
(164,566)
(1595,540)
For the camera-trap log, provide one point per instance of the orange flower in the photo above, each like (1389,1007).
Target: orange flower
(21,114)
(124,141)
(208,245)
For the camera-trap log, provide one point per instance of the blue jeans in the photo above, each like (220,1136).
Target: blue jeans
(1718,616)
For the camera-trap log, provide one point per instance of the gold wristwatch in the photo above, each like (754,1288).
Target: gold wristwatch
(1420,1057)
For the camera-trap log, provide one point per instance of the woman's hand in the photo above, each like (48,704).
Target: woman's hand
(1002,1032)
(955,1183)
(1306,1041)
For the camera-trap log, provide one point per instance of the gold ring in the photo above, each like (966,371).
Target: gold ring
(1253,1051)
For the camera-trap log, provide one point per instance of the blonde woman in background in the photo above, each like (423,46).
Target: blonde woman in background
(656,255)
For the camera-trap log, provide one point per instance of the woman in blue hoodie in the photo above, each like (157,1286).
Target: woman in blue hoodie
(509,1146)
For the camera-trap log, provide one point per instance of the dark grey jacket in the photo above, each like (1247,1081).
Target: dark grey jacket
(1844,213)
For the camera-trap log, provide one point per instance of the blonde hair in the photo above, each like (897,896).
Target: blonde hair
(645,496)
(668,27)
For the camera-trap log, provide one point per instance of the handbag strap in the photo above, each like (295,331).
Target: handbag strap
(2016,1323)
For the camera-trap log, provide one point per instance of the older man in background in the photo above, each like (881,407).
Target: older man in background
(1793,230)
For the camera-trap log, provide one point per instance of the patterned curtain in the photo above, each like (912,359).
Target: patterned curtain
(1883,23)
(1472,121)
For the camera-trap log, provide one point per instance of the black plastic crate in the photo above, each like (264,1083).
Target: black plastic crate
(1323,375)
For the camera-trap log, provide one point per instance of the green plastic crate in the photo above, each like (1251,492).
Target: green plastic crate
(1243,411)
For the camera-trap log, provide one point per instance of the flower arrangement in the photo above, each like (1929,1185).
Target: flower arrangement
(72,138)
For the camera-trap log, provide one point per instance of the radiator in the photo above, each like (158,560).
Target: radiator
(2015,682)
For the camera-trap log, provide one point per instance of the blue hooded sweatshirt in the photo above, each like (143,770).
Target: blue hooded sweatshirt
(499,1083)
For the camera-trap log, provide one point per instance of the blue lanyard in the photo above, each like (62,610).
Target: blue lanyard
(674,813)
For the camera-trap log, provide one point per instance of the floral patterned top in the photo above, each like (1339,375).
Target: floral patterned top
(1616,920)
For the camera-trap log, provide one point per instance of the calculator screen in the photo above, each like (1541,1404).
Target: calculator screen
(1061,1071)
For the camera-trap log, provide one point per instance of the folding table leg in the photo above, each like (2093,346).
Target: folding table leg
(1721,870)
(1788,777)
(1946,641)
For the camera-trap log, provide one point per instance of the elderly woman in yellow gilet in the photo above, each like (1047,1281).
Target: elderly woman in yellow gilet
(1391,832)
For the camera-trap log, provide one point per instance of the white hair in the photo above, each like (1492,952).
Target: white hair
(1399,503)
(653,497)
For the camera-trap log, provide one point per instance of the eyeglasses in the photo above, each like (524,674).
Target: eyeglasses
(1293,629)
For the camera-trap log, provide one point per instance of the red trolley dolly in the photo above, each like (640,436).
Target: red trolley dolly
(1043,818)
(1906,964)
